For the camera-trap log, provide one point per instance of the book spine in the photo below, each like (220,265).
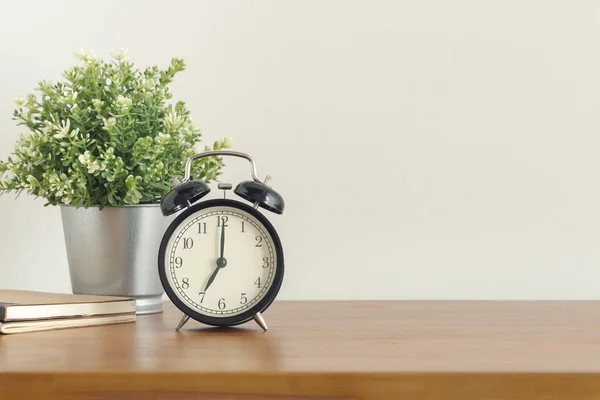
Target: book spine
(3,310)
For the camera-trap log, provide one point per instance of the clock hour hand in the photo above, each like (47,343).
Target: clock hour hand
(212,278)
(221,261)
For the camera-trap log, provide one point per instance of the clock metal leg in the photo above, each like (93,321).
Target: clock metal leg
(260,321)
(182,320)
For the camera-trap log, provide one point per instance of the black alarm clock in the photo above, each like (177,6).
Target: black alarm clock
(220,260)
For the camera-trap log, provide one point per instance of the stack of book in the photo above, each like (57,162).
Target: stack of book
(30,311)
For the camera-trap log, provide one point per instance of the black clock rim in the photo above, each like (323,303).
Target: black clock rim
(247,315)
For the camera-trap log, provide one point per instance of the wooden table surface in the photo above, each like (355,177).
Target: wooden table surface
(351,350)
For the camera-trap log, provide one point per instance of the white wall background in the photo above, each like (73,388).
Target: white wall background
(426,149)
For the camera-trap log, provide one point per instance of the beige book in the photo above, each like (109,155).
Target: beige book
(21,305)
(8,328)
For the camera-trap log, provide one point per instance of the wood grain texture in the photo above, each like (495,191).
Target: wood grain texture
(350,350)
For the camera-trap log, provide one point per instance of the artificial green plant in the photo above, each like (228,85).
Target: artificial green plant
(105,136)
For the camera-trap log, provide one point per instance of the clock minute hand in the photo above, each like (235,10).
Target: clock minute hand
(221,262)
(222,239)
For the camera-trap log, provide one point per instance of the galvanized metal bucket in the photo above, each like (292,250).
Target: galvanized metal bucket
(114,252)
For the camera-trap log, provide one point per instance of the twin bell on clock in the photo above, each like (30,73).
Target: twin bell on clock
(220,260)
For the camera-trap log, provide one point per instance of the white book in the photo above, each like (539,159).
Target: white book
(24,305)
(8,328)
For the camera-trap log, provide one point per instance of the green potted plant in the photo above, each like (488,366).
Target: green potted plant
(104,145)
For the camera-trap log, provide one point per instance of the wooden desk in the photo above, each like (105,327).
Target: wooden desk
(322,350)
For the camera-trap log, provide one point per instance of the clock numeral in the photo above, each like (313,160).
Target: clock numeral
(178,262)
(188,243)
(266,262)
(222,221)
(221,303)
(202,294)
(201,227)
(259,240)
(257,282)
(244,299)
(185,283)
(243,224)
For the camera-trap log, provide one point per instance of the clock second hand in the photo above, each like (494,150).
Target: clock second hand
(221,261)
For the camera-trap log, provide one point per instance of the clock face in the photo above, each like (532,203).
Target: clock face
(220,261)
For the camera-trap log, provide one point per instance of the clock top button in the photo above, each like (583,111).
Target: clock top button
(225,187)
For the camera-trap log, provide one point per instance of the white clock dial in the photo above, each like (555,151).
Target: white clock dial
(215,284)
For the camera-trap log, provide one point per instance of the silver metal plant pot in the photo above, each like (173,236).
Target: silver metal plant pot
(114,252)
